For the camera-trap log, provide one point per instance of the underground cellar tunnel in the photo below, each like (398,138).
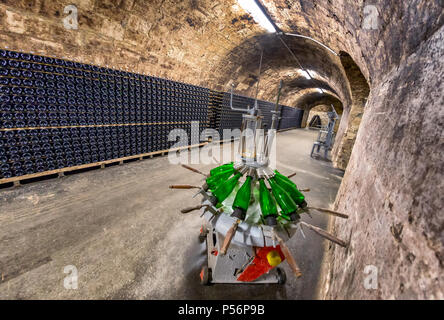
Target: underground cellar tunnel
(91,91)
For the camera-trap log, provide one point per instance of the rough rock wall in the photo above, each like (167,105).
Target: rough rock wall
(309,100)
(342,25)
(181,40)
(376,34)
(393,187)
(346,136)
(241,68)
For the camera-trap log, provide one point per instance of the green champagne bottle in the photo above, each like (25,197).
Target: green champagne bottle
(221,168)
(212,182)
(278,174)
(291,188)
(223,191)
(267,203)
(288,206)
(242,200)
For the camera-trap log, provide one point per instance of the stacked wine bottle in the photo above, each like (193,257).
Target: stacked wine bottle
(231,119)
(290,118)
(266,111)
(56,113)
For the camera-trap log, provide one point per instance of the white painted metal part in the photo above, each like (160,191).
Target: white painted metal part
(247,234)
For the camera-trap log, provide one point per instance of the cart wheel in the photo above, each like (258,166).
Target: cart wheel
(282,277)
(202,234)
(205,276)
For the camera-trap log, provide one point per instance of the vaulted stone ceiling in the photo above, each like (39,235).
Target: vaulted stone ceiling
(196,41)
(211,43)
(339,25)
(242,65)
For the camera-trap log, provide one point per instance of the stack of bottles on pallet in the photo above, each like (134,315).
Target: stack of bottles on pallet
(57,113)
(214,109)
(266,109)
(231,119)
(290,118)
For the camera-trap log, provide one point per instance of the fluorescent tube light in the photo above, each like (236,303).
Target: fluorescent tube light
(253,9)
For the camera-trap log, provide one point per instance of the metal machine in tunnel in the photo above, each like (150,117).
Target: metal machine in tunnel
(246,223)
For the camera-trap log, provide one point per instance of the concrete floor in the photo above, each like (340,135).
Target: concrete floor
(122,229)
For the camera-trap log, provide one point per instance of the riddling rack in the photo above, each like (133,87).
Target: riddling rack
(290,118)
(231,119)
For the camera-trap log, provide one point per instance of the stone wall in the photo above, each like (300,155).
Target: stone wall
(321,111)
(194,41)
(346,136)
(393,188)
(167,38)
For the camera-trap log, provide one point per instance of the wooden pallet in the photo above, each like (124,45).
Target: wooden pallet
(101,125)
(223,141)
(61,171)
(286,129)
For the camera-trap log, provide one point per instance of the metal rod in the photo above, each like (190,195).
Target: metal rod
(189,209)
(290,259)
(333,213)
(231,102)
(258,79)
(309,38)
(276,108)
(228,237)
(274,124)
(334,110)
(183,186)
(324,234)
(291,175)
(244,266)
(194,170)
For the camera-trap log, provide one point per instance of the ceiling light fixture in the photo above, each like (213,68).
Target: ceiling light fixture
(253,9)
(306,74)
(310,38)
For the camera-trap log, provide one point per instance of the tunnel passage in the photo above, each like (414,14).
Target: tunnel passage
(326,82)
(390,187)
(312,98)
(321,111)
(240,67)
